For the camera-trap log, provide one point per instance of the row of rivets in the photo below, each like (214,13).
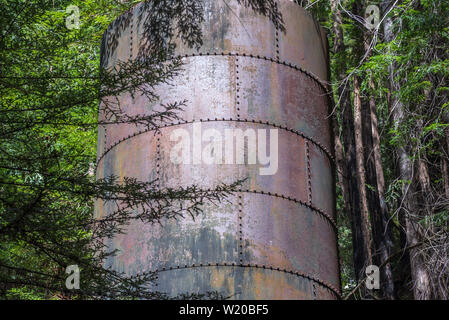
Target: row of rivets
(277,40)
(282,127)
(323,85)
(158,159)
(313,278)
(309,172)
(240,221)
(302,203)
(240,210)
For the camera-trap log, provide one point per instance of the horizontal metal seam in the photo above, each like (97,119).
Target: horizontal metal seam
(297,273)
(297,132)
(311,207)
(323,85)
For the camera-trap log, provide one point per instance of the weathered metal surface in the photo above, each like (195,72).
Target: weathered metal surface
(276,238)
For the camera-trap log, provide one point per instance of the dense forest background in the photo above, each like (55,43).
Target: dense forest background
(390,120)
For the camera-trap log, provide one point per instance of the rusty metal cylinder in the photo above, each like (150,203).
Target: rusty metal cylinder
(276,237)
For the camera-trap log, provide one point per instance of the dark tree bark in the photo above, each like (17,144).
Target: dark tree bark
(360,165)
(381,232)
(409,207)
(352,199)
(374,178)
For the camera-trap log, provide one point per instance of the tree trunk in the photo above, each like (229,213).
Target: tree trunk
(340,161)
(445,161)
(360,164)
(409,207)
(380,227)
(352,200)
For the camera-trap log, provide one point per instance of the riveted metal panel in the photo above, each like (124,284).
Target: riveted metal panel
(210,237)
(284,96)
(233,282)
(276,237)
(321,180)
(282,233)
(289,179)
(303,32)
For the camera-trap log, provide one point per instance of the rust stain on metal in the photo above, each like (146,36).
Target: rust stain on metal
(276,238)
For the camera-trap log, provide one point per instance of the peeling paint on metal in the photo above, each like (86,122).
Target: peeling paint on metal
(276,238)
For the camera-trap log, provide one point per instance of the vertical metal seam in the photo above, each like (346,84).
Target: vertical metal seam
(237,87)
(309,173)
(131,36)
(277,40)
(240,205)
(240,222)
(158,158)
(105,137)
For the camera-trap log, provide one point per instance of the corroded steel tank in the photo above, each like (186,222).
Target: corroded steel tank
(276,237)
